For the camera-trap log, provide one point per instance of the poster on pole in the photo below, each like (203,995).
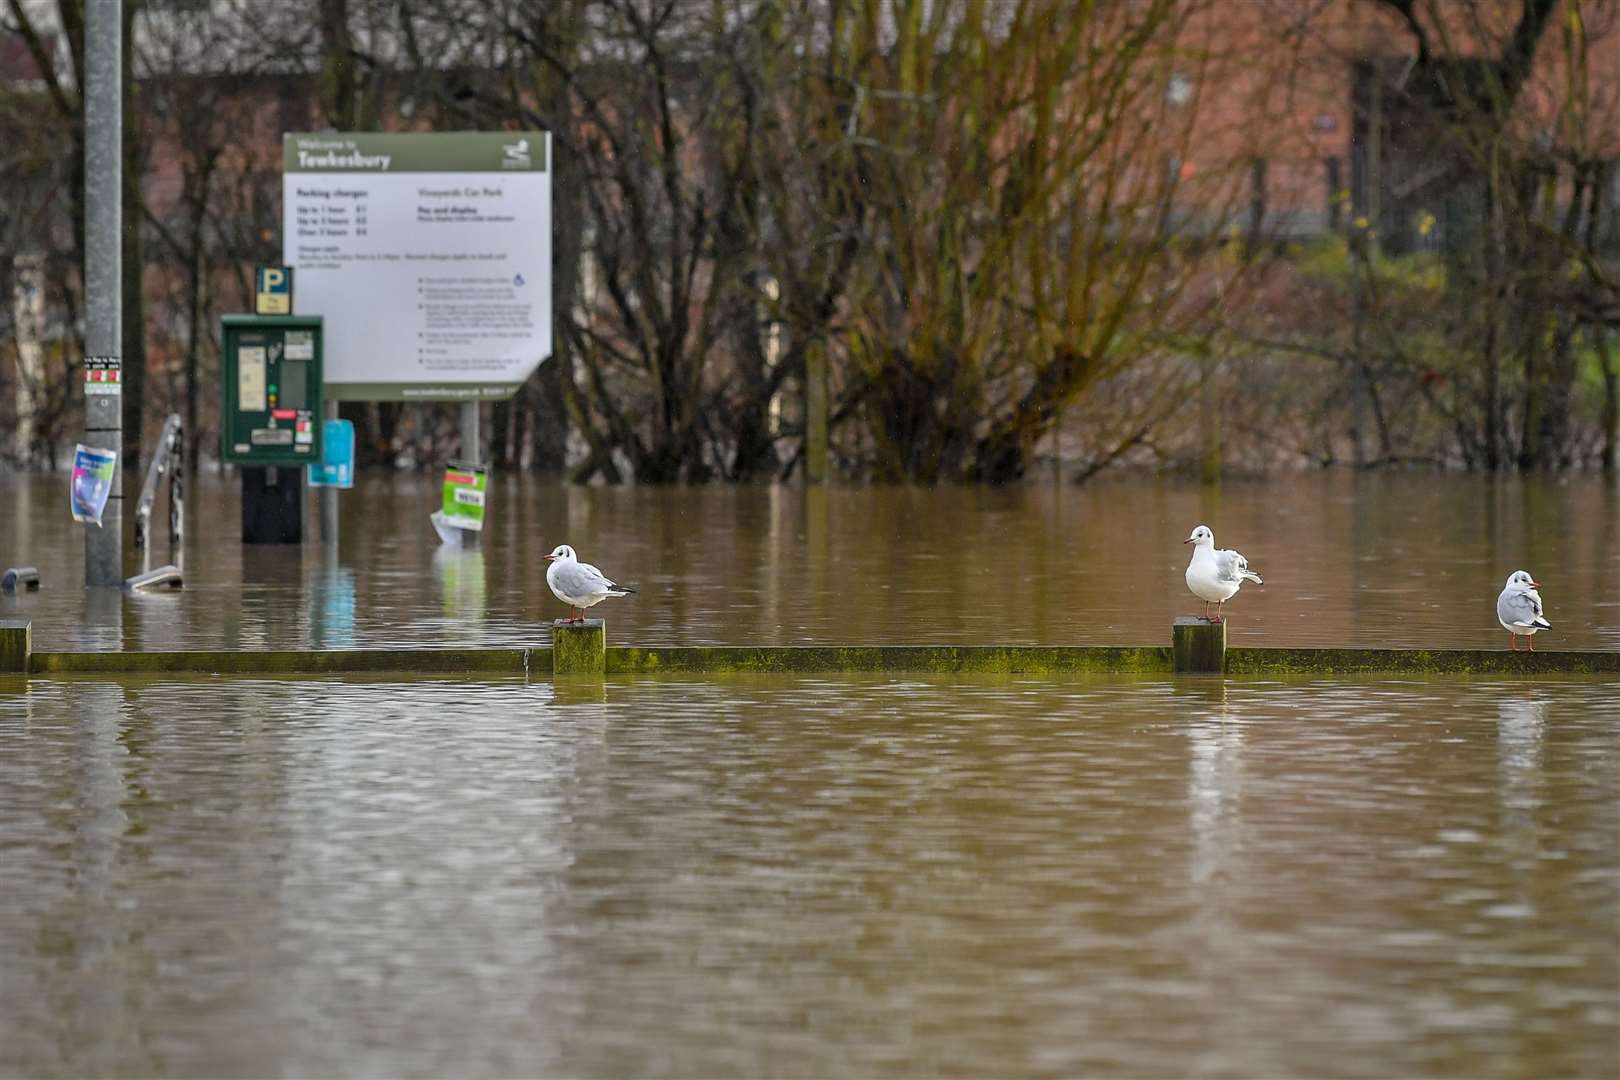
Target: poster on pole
(429,255)
(94,470)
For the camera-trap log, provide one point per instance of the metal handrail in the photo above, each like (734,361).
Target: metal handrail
(167,459)
(20,577)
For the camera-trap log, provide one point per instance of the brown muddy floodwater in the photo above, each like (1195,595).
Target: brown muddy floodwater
(816,877)
(1413,560)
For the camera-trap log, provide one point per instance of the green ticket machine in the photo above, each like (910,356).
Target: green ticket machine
(271,418)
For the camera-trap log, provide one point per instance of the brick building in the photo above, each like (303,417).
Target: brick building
(1342,107)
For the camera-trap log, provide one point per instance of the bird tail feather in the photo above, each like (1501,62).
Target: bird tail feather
(1542,624)
(621,590)
(1252,576)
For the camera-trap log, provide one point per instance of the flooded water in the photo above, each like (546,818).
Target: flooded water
(856,876)
(829,877)
(1413,560)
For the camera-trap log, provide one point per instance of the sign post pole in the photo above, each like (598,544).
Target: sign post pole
(469,449)
(329,494)
(103,275)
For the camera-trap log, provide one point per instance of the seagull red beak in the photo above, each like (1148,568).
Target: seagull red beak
(548,558)
(1188,540)
(1535,585)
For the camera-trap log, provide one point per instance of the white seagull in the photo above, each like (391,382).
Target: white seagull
(1518,609)
(577,584)
(1215,576)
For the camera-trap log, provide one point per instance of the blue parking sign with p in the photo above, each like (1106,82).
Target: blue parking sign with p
(272,290)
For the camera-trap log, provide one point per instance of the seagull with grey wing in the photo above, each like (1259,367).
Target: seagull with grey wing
(1518,609)
(1215,576)
(579,585)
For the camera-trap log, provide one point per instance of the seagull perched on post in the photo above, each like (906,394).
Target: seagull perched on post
(577,584)
(1518,609)
(1215,576)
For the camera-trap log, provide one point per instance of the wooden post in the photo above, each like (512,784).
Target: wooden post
(1199,646)
(16,646)
(815,414)
(579,648)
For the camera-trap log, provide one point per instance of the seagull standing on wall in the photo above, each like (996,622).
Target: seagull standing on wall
(1518,609)
(1215,576)
(579,585)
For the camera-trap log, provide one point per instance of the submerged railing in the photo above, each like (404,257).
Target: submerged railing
(25,578)
(168,459)
(580,650)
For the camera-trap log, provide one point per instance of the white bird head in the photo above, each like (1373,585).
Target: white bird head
(1201,536)
(561,551)
(1521,579)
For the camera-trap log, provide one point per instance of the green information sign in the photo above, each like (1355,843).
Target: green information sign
(429,253)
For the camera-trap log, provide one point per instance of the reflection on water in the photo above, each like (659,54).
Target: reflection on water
(813,877)
(1412,560)
(461,583)
(331,604)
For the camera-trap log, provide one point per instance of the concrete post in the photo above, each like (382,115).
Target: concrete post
(1199,646)
(579,648)
(16,646)
(470,449)
(470,436)
(103,273)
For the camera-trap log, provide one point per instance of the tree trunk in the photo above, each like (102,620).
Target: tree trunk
(548,388)
(754,454)
(337,92)
(500,433)
(1556,400)
(1003,455)
(194,306)
(1611,401)
(1491,406)
(548,433)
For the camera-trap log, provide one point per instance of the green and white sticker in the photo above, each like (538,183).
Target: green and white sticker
(465,491)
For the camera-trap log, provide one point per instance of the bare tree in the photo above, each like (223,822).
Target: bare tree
(1024,243)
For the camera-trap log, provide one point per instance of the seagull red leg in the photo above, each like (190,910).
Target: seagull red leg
(1530,640)
(1513,641)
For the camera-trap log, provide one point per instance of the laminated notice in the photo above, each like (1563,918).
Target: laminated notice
(93,473)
